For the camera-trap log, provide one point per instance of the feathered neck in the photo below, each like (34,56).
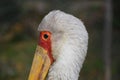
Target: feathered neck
(68,64)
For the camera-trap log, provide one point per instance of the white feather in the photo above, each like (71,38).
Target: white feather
(69,44)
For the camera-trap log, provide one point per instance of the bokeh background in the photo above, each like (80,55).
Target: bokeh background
(19,20)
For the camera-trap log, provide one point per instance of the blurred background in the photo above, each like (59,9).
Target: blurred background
(19,20)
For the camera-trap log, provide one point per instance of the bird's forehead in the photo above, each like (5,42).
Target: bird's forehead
(51,26)
(47,28)
(54,22)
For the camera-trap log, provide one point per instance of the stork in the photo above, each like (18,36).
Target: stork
(61,48)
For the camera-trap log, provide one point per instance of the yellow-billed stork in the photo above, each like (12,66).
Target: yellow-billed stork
(61,49)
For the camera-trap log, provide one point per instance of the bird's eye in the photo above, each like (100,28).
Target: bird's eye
(45,36)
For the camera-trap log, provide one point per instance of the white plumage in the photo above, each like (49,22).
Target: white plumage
(69,44)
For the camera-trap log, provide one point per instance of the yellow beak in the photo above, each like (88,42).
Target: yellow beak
(41,64)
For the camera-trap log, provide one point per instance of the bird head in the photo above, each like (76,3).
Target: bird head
(61,37)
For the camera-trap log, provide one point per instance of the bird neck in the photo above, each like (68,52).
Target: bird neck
(68,64)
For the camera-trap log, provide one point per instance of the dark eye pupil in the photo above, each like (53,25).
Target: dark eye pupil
(45,36)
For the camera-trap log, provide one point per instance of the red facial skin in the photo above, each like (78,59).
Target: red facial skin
(45,42)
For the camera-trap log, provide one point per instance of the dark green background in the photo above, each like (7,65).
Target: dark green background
(19,20)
